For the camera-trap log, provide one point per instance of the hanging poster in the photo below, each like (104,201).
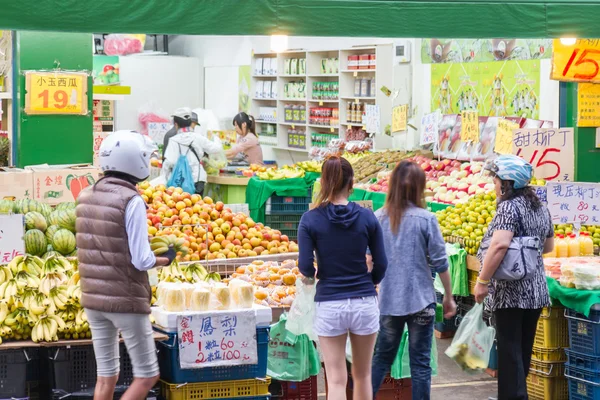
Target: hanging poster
(550,151)
(430,124)
(499,89)
(574,202)
(588,105)
(435,51)
(106,70)
(244,88)
(399,116)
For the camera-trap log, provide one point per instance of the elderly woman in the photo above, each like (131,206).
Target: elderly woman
(516,304)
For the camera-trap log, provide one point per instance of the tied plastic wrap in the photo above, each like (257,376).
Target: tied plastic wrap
(472,343)
(153,277)
(302,312)
(200,299)
(242,293)
(121,45)
(220,298)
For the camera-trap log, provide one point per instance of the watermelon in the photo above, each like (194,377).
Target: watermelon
(35,242)
(53,217)
(66,219)
(35,220)
(31,205)
(52,229)
(67,205)
(64,241)
(52,253)
(46,209)
(7,206)
(19,205)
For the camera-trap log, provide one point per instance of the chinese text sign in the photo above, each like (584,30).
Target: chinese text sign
(577,62)
(588,105)
(399,116)
(217,339)
(56,93)
(158,130)
(430,124)
(504,136)
(574,202)
(550,151)
(11,237)
(470,126)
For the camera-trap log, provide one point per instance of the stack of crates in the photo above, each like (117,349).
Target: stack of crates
(546,378)
(284,213)
(235,382)
(15,367)
(583,366)
(390,389)
(305,390)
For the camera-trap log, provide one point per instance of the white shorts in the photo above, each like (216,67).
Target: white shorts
(136,330)
(359,316)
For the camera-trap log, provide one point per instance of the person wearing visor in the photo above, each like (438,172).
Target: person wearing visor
(516,304)
(114,257)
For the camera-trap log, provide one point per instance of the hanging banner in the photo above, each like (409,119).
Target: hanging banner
(550,151)
(435,51)
(56,93)
(11,237)
(504,136)
(470,126)
(430,124)
(217,339)
(574,202)
(399,116)
(577,62)
(588,104)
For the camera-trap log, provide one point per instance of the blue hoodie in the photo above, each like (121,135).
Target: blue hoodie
(340,236)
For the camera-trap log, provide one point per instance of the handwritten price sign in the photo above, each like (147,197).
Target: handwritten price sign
(550,151)
(399,116)
(430,125)
(56,93)
(217,339)
(504,136)
(11,237)
(574,202)
(576,63)
(470,126)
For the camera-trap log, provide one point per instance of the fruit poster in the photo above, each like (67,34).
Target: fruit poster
(106,70)
(244,100)
(434,51)
(495,89)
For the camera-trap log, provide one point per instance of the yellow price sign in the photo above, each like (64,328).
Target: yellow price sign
(399,117)
(504,137)
(578,62)
(56,93)
(469,131)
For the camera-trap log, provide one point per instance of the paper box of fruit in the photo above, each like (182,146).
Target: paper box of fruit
(53,184)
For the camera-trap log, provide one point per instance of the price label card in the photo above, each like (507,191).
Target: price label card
(588,105)
(469,131)
(11,237)
(576,63)
(574,202)
(56,93)
(430,125)
(550,151)
(504,136)
(217,339)
(399,117)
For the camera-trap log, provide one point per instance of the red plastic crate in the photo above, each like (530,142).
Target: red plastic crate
(390,389)
(305,390)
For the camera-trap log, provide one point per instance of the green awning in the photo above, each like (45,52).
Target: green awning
(365,18)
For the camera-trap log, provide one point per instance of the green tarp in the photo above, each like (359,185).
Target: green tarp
(364,18)
(579,300)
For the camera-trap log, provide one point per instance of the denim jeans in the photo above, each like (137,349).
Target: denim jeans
(420,332)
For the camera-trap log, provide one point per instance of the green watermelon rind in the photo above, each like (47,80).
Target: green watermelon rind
(35,220)
(35,242)
(64,241)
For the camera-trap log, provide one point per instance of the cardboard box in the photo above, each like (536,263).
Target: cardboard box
(16,182)
(98,138)
(55,184)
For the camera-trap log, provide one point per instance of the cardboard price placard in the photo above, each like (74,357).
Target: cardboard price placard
(504,136)
(217,339)
(399,117)
(577,62)
(470,126)
(11,237)
(550,151)
(588,105)
(574,202)
(56,93)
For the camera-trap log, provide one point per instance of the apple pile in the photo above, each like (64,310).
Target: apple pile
(211,230)
(462,183)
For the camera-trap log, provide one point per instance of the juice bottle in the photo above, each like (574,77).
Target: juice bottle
(552,254)
(562,250)
(586,244)
(573,244)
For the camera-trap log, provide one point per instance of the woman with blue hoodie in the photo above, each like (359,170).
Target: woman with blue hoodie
(339,232)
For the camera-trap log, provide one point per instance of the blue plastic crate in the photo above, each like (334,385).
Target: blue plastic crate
(584,333)
(582,388)
(583,361)
(170,371)
(288,204)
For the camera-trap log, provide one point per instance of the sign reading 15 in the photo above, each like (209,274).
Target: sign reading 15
(579,62)
(538,159)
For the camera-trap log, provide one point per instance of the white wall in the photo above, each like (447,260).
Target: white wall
(158,83)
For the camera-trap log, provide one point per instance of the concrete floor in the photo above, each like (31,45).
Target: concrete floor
(452,382)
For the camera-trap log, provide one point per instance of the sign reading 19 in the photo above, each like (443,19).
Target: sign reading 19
(61,98)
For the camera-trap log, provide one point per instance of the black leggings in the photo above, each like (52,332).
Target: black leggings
(515,332)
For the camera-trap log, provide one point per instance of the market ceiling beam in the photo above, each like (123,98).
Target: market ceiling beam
(365,18)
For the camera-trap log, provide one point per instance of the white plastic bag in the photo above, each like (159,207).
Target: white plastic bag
(472,343)
(302,312)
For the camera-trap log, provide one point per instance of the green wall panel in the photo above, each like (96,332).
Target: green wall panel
(53,139)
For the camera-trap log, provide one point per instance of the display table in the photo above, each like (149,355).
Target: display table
(228,188)
(259,191)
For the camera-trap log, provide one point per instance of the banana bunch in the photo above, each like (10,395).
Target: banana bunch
(59,297)
(54,273)
(278,174)
(25,279)
(310,166)
(74,294)
(9,291)
(160,244)
(46,328)
(38,304)
(194,272)
(172,273)
(31,264)
(56,263)
(213,276)
(5,273)
(74,279)
(17,324)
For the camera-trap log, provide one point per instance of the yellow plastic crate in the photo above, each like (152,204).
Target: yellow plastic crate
(548,355)
(549,369)
(473,275)
(541,387)
(552,329)
(216,390)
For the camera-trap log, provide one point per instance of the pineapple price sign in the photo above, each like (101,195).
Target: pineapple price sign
(470,126)
(578,62)
(56,92)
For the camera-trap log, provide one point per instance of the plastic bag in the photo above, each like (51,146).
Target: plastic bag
(293,362)
(401,366)
(472,343)
(215,162)
(182,175)
(302,312)
(121,45)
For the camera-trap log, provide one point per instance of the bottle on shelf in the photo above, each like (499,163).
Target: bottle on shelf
(586,244)
(573,245)
(561,246)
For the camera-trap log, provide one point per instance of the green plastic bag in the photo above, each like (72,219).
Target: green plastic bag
(291,358)
(401,366)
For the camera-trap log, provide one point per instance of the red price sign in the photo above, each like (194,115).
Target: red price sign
(579,62)
(550,151)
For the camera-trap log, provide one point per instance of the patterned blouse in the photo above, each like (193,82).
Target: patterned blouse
(531,293)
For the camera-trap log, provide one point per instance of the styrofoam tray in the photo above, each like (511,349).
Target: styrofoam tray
(168,320)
